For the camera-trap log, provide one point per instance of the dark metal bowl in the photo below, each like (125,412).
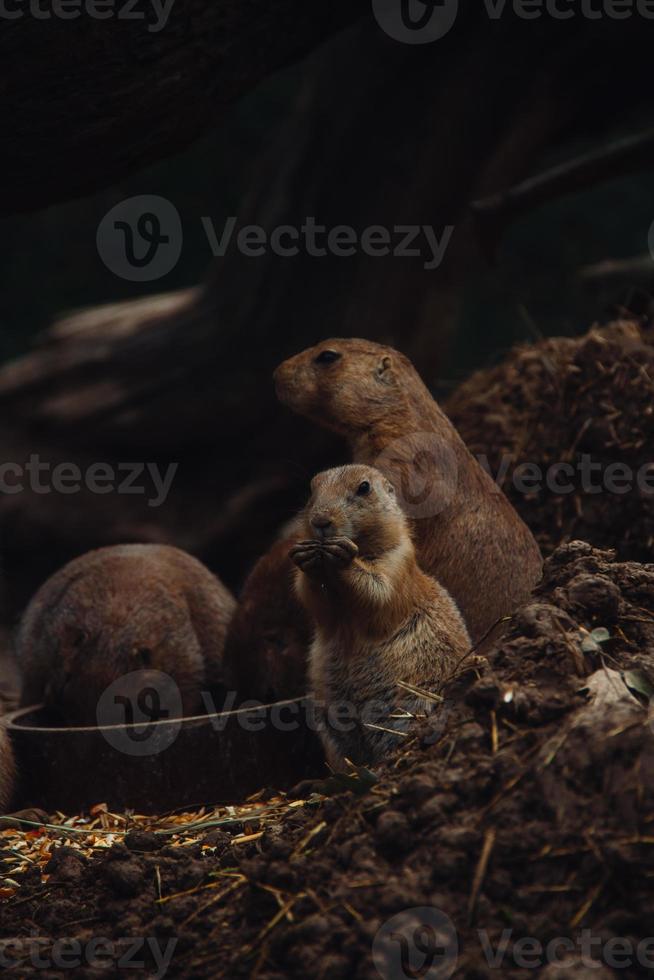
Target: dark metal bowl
(163,765)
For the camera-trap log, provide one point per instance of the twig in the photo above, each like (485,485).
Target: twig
(214,900)
(309,837)
(276,919)
(420,692)
(457,670)
(389,731)
(189,891)
(579,916)
(480,873)
(247,838)
(618,158)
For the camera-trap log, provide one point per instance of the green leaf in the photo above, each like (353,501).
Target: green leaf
(591,642)
(639,683)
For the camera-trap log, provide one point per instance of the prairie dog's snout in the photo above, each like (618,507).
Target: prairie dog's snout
(328,518)
(322,524)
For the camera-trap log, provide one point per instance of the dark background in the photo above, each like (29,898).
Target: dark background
(352,127)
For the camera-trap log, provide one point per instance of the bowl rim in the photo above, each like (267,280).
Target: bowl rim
(11,721)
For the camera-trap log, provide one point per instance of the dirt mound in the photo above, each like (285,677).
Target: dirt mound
(522,811)
(580,414)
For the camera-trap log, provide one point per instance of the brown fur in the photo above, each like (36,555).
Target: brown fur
(379,618)
(117,610)
(269,635)
(477,546)
(7,771)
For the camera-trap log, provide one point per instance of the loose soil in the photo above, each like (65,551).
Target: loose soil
(558,401)
(526,805)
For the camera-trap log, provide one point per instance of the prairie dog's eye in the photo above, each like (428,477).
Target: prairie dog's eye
(327,357)
(364,489)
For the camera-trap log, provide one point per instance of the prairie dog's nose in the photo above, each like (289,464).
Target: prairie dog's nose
(322,524)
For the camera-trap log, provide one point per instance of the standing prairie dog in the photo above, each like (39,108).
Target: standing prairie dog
(378,618)
(467,534)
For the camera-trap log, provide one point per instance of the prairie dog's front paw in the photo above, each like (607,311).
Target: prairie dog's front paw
(340,551)
(307,555)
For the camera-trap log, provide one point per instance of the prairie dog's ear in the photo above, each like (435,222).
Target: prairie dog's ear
(386,370)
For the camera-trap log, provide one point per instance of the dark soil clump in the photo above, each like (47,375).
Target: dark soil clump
(566,401)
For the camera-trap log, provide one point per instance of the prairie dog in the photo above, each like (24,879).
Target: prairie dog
(378,618)
(269,635)
(472,539)
(118,611)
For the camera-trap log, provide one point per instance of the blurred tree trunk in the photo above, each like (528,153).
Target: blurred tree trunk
(86,101)
(381,134)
